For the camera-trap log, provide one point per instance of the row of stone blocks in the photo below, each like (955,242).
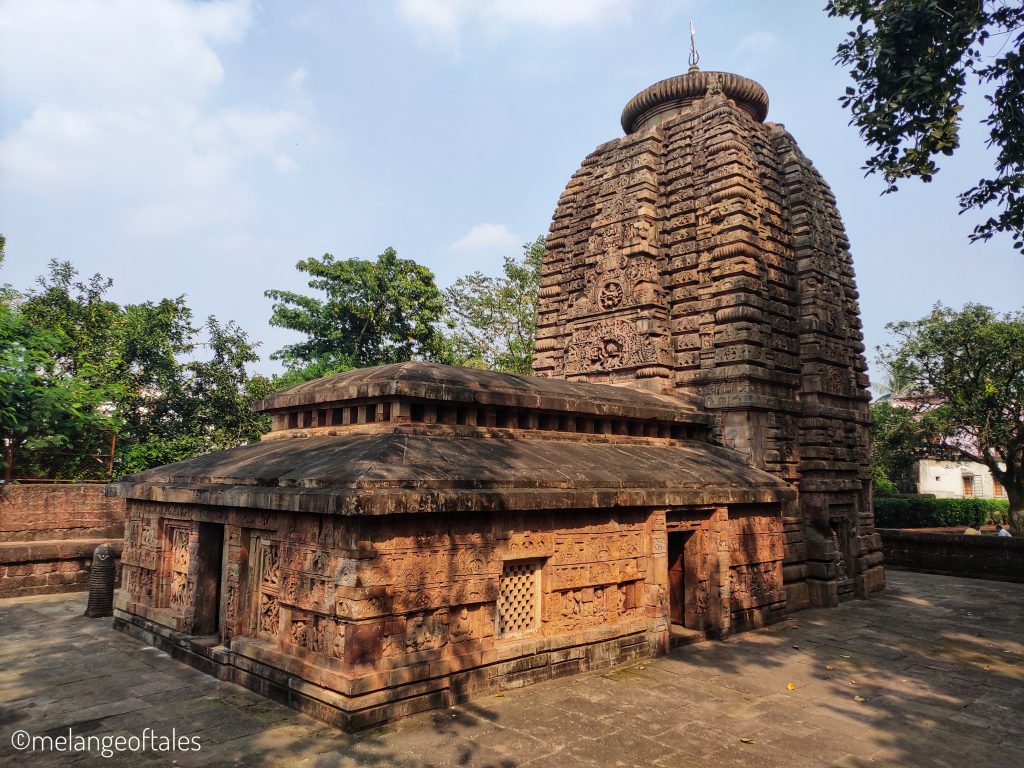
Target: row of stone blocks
(48,533)
(47,567)
(953,554)
(405,698)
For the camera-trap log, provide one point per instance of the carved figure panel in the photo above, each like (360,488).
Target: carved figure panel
(617,281)
(265,581)
(177,588)
(610,345)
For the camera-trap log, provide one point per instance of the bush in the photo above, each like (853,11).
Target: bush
(927,512)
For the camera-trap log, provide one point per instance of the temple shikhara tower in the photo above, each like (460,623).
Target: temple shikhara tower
(702,253)
(690,459)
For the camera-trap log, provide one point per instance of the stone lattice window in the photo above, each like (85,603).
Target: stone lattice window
(519,598)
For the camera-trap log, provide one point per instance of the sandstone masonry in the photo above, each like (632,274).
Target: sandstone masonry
(689,461)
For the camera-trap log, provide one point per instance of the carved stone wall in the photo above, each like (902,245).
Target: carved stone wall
(381,591)
(704,253)
(387,607)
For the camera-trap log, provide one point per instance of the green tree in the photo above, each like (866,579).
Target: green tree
(900,436)
(495,318)
(968,368)
(910,61)
(174,390)
(204,405)
(373,313)
(51,423)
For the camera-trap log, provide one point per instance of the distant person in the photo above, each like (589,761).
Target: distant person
(972,532)
(1001,530)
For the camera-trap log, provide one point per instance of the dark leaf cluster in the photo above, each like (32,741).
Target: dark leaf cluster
(910,62)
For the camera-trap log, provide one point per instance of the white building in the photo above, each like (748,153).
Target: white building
(957,480)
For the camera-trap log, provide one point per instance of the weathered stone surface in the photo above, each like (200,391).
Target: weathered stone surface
(49,532)
(429,472)
(939,662)
(702,254)
(442,384)
(413,535)
(953,554)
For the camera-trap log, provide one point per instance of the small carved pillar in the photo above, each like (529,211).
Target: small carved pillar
(718,572)
(657,580)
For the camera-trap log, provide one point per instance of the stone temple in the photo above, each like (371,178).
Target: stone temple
(690,459)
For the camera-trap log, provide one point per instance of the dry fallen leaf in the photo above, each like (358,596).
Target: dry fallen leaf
(790,687)
(829,667)
(859,698)
(988,666)
(904,680)
(499,694)
(853,682)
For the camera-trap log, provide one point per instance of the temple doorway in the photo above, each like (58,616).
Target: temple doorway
(208,578)
(677,576)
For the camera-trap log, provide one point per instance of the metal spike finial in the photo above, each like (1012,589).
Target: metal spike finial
(694,56)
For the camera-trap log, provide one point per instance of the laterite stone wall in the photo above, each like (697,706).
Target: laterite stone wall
(953,554)
(48,534)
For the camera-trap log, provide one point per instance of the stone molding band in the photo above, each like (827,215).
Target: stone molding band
(691,86)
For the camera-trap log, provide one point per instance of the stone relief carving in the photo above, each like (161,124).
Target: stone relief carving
(424,632)
(269,565)
(462,625)
(266,555)
(181,592)
(617,282)
(269,612)
(610,345)
(179,548)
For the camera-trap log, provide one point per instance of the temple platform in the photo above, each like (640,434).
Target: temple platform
(937,661)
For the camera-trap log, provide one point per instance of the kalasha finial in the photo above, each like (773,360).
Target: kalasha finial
(694,56)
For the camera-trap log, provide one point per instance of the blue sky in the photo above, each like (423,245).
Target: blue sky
(202,148)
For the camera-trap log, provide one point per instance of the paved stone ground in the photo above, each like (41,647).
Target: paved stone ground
(938,662)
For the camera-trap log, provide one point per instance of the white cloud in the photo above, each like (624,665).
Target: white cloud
(284,163)
(558,14)
(118,99)
(100,52)
(442,21)
(757,44)
(437,19)
(485,237)
(297,78)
